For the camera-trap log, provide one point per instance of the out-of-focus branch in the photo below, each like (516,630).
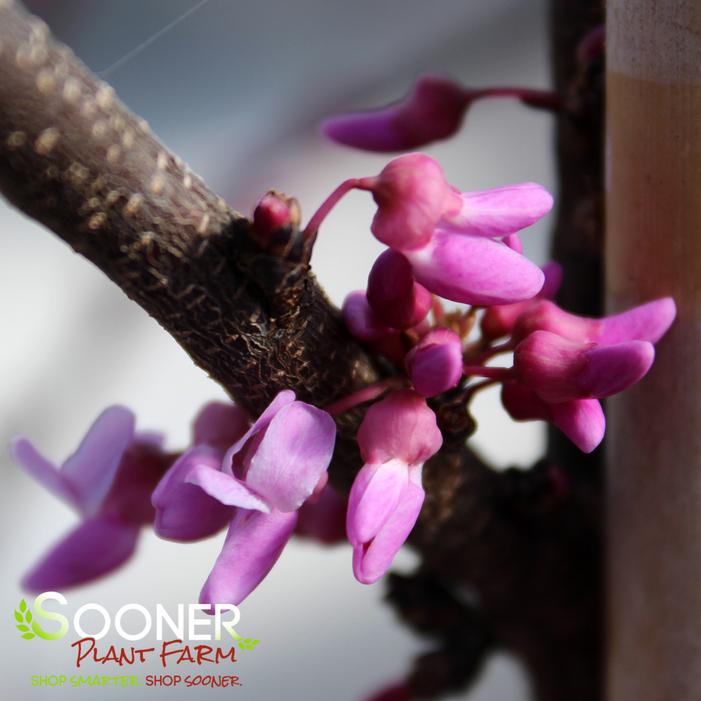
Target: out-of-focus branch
(74,158)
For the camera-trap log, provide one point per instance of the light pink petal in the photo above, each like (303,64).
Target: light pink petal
(183,510)
(648,322)
(219,424)
(92,468)
(435,363)
(374,496)
(582,421)
(43,471)
(96,547)
(433,110)
(372,560)
(399,426)
(611,369)
(225,488)
(252,546)
(474,270)
(281,399)
(289,461)
(500,211)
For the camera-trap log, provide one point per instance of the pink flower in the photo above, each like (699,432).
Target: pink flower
(397,435)
(433,110)
(323,517)
(647,322)
(581,420)
(263,479)
(435,363)
(559,370)
(396,299)
(183,511)
(108,481)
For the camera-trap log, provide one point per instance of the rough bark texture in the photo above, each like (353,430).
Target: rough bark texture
(254,318)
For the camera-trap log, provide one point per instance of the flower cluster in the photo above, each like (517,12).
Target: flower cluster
(265,480)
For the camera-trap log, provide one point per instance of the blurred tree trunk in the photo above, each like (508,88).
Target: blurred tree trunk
(654,248)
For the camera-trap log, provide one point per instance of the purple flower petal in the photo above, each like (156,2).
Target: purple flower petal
(582,421)
(474,270)
(183,510)
(43,471)
(435,363)
(252,546)
(433,110)
(372,560)
(648,322)
(500,211)
(219,424)
(97,546)
(611,369)
(282,399)
(92,468)
(226,489)
(374,496)
(360,319)
(296,450)
(396,299)
(399,426)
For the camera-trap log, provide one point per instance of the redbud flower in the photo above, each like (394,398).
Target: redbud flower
(396,299)
(183,511)
(435,363)
(647,322)
(581,420)
(266,475)
(560,370)
(108,480)
(397,435)
(433,110)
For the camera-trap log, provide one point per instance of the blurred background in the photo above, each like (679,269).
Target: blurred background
(237,89)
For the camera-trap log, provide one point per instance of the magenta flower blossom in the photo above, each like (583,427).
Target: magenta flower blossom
(559,370)
(647,322)
(433,110)
(435,363)
(183,511)
(396,437)
(414,199)
(263,479)
(581,420)
(395,297)
(499,319)
(108,481)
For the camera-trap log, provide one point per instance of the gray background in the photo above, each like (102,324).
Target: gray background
(237,89)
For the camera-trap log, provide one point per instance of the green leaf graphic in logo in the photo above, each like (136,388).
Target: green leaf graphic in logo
(23,616)
(244,643)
